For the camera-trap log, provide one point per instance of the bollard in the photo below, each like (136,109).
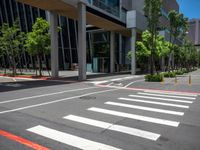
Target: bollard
(190,80)
(163,80)
(175,81)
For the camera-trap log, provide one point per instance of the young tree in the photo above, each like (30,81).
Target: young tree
(178,28)
(38,41)
(152,11)
(2,53)
(143,47)
(11,42)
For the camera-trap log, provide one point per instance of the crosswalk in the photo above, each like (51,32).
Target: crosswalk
(166,103)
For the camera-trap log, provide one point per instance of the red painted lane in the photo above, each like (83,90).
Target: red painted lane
(22,141)
(145,89)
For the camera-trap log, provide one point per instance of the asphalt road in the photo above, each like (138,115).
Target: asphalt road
(102,114)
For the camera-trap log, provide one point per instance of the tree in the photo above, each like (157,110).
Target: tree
(2,53)
(178,28)
(38,41)
(11,42)
(143,51)
(152,10)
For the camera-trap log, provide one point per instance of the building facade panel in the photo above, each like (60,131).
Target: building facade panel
(194,31)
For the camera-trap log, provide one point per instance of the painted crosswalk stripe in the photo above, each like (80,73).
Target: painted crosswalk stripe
(136,117)
(69,139)
(162,99)
(153,102)
(171,93)
(118,128)
(172,96)
(146,108)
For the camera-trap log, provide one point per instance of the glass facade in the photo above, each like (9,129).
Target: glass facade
(98,43)
(110,6)
(10,10)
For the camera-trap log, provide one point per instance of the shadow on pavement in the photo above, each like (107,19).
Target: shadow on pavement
(28,84)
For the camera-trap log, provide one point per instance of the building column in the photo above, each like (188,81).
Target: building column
(112,52)
(133,44)
(120,49)
(82,41)
(54,44)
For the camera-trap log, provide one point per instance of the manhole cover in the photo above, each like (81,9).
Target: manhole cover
(164,139)
(87,97)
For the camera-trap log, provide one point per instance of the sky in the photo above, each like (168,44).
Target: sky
(190,8)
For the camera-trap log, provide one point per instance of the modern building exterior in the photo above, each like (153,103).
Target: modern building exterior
(96,34)
(194,31)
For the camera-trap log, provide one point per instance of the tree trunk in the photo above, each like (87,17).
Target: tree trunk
(40,65)
(152,55)
(14,66)
(4,64)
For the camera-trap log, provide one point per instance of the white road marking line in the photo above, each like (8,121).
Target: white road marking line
(171,93)
(146,108)
(132,83)
(136,117)
(43,95)
(69,139)
(161,95)
(118,128)
(52,102)
(111,80)
(162,99)
(153,102)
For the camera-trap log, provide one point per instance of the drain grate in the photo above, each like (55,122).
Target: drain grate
(87,98)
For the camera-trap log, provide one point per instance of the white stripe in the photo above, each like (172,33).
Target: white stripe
(116,79)
(69,139)
(136,117)
(147,108)
(43,95)
(118,128)
(52,102)
(161,95)
(163,99)
(171,93)
(152,102)
(132,83)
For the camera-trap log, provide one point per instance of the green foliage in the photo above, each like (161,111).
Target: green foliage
(162,47)
(11,42)
(154,78)
(169,74)
(38,41)
(152,10)
(143,47)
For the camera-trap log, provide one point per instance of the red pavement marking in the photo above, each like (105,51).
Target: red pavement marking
(22,141)
(145,89)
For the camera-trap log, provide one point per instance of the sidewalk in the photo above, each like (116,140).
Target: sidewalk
(169,84)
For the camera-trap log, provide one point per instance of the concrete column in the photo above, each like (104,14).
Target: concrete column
(54,44)
(82,41)
(120,49)
(112,52)
(133,43)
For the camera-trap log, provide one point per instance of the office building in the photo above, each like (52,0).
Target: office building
(96,34)
(194,31)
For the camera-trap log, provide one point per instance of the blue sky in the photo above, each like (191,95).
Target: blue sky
(190,8)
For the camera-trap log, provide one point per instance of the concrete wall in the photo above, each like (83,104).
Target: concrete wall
(138,5)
